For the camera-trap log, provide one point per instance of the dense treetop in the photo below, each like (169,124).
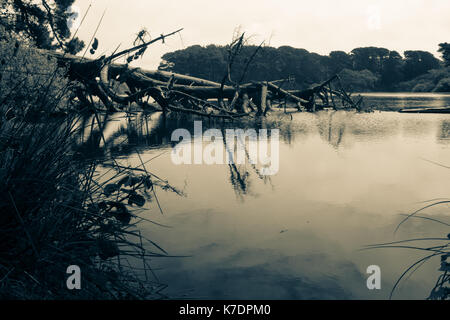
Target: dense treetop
(363,69)
(42,23)
(444,48)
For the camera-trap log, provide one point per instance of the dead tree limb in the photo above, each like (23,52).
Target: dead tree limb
(181,93)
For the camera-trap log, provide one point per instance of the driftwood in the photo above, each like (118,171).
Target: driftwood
(174,92)
(443,110)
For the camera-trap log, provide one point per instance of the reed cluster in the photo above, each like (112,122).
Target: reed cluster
(56,209)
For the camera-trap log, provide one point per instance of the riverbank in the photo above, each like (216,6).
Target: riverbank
(58,214)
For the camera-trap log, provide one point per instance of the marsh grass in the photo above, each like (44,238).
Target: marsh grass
(441,289)
(56,210)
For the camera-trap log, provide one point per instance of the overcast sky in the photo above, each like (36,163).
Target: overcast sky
(318,26)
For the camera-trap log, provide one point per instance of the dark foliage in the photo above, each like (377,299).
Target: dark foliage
(444,48)
(42,23)
(364,69)
(56,208)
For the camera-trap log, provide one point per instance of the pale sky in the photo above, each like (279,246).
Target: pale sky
(318,26)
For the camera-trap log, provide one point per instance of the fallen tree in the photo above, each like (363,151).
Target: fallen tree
(182,93)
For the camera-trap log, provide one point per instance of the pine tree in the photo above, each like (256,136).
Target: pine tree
(43,23)
(444,48)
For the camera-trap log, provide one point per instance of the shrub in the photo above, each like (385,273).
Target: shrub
(423,86)
(428,82)
(358,80)
(54,211)
(443,85)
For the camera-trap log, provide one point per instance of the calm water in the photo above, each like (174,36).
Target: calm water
(396,101)
(344,181)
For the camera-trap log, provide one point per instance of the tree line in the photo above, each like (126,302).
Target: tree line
(44,23)
(362,69)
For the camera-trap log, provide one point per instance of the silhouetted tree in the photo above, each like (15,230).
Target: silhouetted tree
(391,72)
(43,23)
(339,60)
(418,63)
(370,58)
(444,48)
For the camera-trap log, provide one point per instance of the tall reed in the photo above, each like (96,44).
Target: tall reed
(55,208)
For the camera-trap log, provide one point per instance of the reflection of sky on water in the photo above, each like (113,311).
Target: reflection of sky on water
(344,179)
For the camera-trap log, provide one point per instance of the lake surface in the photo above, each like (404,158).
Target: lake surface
(394,101)
(344,181)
